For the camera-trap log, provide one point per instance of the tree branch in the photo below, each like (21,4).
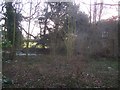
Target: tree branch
(28,33)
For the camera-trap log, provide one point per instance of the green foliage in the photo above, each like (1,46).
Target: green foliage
(12,24)
(6,44)
(6,81)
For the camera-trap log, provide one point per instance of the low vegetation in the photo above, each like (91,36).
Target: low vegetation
(43,71)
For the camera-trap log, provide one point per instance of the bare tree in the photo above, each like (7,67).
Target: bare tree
(28,30)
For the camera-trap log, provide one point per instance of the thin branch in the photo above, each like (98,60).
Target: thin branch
(31,16)
(27,32)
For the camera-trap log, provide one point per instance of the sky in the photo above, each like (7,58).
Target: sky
(108,11)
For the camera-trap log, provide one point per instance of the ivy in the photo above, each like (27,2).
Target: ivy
(6,44)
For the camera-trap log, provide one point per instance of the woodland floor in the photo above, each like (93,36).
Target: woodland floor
(45,72)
